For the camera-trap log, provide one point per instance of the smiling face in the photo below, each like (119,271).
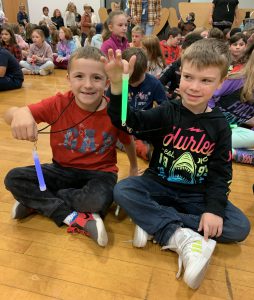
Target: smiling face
(197,86)
(88,81)
(5,36)
(119,25)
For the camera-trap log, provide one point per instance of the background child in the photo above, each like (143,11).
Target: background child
(215,33)
(45,15)
(237,46)
(170,77)
(81,178)
(11,76)
(53,37)
(40,57)
(57,19)
(76,36)
(65,47)
(20,41)
(86,23)
(144,91)
(90,35)
(22,16)
(137,34)
(184,191)
(69,15)
(187,26)
(8,41)
(97,38)
(156,61)
(235,99)
(116,28)
(3,18)
(170,48)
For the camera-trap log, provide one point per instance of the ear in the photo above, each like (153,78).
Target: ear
(110,27)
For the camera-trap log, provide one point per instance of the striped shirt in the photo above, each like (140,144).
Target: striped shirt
(153,13)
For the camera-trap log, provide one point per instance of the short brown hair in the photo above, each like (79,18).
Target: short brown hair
(87,52)
(140,66)
(206,53)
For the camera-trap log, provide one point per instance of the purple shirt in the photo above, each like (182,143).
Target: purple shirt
(228,99)
(114,43)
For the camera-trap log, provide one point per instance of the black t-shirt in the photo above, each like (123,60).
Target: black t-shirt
(12,66)
(224,10)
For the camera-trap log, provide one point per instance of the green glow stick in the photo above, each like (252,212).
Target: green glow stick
(125,85)
(233,126)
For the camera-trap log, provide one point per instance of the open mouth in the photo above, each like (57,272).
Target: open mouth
(183,170)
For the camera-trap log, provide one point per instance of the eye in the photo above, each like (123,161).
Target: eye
(205,80)
(97,77)
(186,77)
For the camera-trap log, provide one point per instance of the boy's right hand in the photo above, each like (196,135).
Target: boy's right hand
(115,66)
(23,125)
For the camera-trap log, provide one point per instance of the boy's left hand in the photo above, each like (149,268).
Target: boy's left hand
(211,225)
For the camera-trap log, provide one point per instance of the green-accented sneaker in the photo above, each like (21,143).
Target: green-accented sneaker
(194,255)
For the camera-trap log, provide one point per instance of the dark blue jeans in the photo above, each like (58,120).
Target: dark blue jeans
(68,189)
(10,83)
(160,210)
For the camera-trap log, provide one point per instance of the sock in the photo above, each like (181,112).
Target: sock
(70,218)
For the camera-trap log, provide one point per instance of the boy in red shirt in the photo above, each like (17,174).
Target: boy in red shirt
(170,48)
(82,176)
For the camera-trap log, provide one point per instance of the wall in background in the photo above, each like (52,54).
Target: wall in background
(35,7)
(242,3)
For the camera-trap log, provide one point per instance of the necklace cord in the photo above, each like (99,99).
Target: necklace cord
(41,131)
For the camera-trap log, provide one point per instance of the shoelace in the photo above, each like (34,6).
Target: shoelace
(192,246)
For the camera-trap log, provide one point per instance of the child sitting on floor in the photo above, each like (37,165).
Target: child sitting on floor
(182,198)
(81,178)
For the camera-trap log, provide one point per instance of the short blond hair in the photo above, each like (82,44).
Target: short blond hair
(206,53)
(138,28)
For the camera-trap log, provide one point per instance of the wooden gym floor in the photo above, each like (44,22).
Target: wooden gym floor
(39,261)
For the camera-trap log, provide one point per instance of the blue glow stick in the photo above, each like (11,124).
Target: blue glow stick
(39,173)
(125,86)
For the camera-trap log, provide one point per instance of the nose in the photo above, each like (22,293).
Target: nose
(195,85)
(87,83)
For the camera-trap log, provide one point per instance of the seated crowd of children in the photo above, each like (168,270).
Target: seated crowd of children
(196,78)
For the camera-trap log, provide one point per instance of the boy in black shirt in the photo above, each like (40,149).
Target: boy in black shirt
(182,198)
(11,76)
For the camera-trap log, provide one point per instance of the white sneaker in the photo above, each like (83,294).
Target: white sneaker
(194,254)
(26,71)
(43,72)
(140,237)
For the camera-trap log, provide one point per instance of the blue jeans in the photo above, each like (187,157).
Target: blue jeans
(68,189)
(148,29)
(160,210)
(47,66)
